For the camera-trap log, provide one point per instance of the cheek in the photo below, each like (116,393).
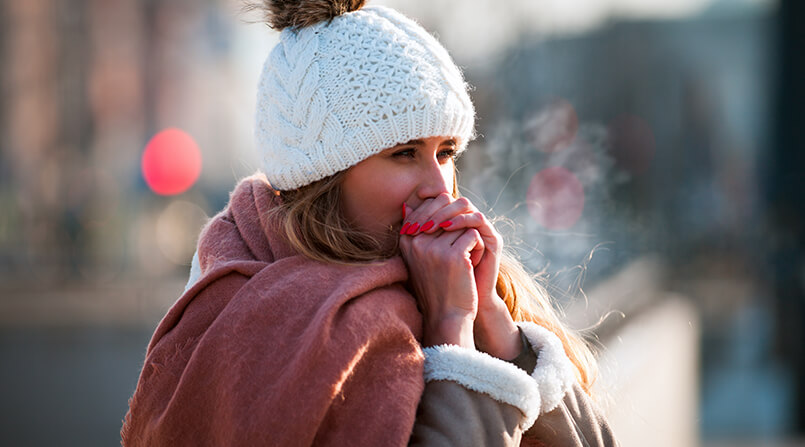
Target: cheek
(372,201)
(354,203)
(384,201)
(387,196)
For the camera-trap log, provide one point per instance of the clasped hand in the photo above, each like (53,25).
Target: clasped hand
(453,256)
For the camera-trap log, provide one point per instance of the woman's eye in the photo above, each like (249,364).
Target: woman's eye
(405,153)
(443,154)
(447,153)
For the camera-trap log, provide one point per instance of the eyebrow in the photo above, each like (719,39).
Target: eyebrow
(418,142)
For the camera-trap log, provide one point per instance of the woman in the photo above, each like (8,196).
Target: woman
(348,296)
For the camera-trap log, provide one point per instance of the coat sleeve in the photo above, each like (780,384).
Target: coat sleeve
(575,422)
(451,415)
(471,398)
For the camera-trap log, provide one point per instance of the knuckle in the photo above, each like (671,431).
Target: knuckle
(442,200)
(495,231)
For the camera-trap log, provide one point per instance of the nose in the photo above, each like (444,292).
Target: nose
(435,178)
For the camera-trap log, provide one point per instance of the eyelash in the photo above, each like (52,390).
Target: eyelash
(409,152)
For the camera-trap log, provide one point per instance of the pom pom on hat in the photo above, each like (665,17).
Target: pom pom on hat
(345,83)
(281,14)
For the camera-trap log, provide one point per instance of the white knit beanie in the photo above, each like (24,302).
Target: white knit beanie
(335,92)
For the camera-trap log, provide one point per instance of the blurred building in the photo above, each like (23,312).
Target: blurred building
(85,85)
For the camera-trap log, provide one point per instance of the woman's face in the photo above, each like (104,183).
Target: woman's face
(373,191)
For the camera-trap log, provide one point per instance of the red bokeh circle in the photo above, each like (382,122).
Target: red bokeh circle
(555,198)
(171,163)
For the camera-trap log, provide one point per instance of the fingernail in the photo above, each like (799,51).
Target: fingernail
(404,228)
(403,210)
(412,229)
(427,226)
(446,224)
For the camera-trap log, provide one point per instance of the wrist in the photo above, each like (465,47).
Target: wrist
(497,334)
(455,329)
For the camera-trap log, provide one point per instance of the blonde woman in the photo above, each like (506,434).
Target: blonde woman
(347,295)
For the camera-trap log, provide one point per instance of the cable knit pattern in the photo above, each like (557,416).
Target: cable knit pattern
(335,93)
(554,372)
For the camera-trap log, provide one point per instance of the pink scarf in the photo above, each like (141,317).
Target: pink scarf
(272,348)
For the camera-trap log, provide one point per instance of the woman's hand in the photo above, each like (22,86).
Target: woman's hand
(494,329)
(441,274)
(448,214)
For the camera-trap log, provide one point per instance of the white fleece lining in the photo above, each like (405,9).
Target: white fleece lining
(483,373)
(540,393)
(554,372)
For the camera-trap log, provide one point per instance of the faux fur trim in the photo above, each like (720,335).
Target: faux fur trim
(552,379)
(554,372)
(483,373)
(282,14)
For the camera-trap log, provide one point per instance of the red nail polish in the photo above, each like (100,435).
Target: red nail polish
(412,229)
(446,224)
(427,226)
(403,210)
(404,228)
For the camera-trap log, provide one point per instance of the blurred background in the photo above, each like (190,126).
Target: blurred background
(645,155)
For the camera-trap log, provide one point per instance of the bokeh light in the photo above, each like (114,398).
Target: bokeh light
(171,163)
(555,198)
(632,143)
(553,127)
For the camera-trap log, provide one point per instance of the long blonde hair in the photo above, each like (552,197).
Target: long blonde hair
(313,223)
